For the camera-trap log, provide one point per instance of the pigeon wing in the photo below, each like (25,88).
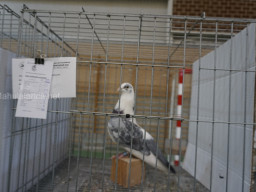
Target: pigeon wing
(128,134)
(152,147)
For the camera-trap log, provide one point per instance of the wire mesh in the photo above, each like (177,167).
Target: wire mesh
(71,150)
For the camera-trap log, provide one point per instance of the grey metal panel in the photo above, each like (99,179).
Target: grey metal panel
(241,57)
(5,112)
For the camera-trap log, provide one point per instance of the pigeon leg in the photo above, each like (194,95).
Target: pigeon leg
(120,155)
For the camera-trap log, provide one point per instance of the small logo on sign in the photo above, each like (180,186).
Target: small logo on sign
(34,68)
(21,65)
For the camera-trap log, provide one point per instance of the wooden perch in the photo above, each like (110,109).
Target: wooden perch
(123,171)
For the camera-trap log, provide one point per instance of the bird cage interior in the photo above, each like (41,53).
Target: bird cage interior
(72,150)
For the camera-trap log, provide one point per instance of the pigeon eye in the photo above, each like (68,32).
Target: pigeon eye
(126,86)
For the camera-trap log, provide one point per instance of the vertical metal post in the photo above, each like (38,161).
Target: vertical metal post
(80,119)
(152,71)
(78,33)
(2,30)
(171,121)
(90,77)
(245,105)
(105,120)
(157,146)
(20,34)
(137,60)
(92,128)
(120,82)
(39,158)
(214,101)
(177,157)
(54,157)
(29,37)
(26,35)
(66,128)
(27,149)
(171,100)
(45,166)
(130,156)
(105,79)
(34,36)
(106,67)
(108,31)
(20,152)
(143,159)
(10,34)
(91,153)
(13,127)
(42,38)
(198,104)
(65,147)
(104,134)
(55,42)
(78,156)
(63,34)
(51,130)
(48,33)
(151,87)
(229,105)
(34,146)
(11,152)
(168,69)
(61,127)
(71,133)
(26,132)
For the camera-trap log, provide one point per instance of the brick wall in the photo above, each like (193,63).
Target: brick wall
(216,8)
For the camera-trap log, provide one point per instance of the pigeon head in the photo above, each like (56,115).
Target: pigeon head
(126,88)
(125,104)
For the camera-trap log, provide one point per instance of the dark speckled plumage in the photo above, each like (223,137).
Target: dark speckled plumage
(130,135)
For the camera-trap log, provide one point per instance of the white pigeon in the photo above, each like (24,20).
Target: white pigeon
(131,136)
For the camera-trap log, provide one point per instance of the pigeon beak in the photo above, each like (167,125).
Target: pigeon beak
(118,90)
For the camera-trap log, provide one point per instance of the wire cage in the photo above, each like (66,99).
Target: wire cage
(71,149)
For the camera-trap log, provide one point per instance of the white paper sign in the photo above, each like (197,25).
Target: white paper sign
(64,76)
(63,80)
(34,90)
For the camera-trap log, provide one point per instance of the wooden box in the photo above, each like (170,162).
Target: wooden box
(123,171)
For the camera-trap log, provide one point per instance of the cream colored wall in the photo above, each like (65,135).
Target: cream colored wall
(161,7)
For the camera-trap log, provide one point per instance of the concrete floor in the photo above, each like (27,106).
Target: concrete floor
(98,182)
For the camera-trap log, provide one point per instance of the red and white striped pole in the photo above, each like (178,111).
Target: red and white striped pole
(179,110)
